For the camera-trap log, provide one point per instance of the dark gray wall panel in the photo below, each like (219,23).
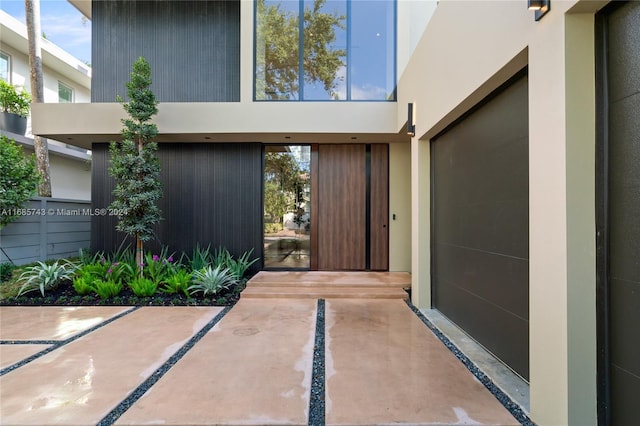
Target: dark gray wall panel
(622,200)
(212,194)
(193,48)
(480,218)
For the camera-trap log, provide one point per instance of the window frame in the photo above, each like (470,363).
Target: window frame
(3,53)
(393,94)
(62,84)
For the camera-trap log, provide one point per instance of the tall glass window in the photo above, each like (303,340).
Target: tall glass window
(315,50)
(287,206)
(5,67)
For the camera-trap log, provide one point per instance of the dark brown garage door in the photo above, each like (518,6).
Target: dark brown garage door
(619,213)
(480,222)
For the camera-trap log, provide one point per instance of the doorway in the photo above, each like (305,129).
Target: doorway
(287,206)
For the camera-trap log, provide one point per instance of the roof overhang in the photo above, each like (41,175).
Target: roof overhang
(84,6)
(265,122)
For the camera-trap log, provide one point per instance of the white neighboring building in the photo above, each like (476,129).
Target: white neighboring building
(66,79)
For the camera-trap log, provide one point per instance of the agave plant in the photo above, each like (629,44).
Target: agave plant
(45,277)
(211,280)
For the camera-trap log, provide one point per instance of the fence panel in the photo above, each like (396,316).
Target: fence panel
(48,228)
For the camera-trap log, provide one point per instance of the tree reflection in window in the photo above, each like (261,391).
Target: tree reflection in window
(278,60)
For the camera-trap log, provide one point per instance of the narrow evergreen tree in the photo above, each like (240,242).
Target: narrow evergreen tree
(134,163)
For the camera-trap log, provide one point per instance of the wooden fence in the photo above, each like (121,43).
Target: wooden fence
(48,228)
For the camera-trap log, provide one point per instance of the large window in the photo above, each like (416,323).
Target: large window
(65,93)
(313,50)
(5,67)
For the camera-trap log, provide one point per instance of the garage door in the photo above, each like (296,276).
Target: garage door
(480,224)
(619,212)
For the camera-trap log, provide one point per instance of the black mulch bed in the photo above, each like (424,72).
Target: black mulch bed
(65,295)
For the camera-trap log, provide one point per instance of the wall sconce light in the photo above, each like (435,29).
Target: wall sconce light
(411,120)
(540,6)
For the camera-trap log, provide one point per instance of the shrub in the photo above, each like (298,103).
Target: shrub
(108,288)
(122,272)
(45,277)
(239,267)
(83,285)
(95,271)
(6,270)
(143,287)
(178,282)
(13,101)
(158,267)
(18,180)
(211,280)
(200,258)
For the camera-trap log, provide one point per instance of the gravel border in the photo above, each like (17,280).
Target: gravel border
(137,393)
(317,397)
(515,410)
(59,343)
(29,342)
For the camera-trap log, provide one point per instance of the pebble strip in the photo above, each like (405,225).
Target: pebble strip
(504,399)
(120,409)
(59,343)
(316,399)
(29,342)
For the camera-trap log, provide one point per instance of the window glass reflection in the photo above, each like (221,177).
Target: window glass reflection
(277,41)
(325,50)
(372,56)
(287,206)
(340,50)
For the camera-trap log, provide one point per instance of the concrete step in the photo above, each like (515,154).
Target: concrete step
(324,291)
(337,279)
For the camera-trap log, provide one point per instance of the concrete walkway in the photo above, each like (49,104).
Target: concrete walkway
(264,362)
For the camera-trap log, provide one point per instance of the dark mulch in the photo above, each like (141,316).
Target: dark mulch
(65,295)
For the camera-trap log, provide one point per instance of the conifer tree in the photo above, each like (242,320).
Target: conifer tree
(134,163)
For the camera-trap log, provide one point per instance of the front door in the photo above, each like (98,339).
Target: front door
(351,216)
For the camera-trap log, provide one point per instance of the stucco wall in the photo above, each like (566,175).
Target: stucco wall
(468,49)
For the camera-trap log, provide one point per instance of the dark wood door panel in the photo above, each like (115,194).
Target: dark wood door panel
(379,208)
(341,207)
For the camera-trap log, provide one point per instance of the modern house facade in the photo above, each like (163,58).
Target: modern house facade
(509,192)
(66,80)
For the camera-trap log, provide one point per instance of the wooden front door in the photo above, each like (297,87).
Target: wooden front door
(351,216)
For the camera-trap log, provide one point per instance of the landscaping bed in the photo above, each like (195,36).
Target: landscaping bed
(202,278)
(65,295)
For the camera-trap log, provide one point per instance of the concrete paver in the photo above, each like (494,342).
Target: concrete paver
(79,383)
(383,366)
(10,354)
(52,322)
(253,368)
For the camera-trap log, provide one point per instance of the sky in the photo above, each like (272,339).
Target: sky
(62,24)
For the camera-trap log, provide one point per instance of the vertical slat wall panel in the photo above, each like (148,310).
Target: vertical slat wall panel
(379,212)
(193,48)
(212,194)
(342,207)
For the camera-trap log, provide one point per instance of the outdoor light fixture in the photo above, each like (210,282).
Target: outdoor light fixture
(411,123)
(540,6)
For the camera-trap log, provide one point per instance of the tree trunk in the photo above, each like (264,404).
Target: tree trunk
(139,255)
(32,10)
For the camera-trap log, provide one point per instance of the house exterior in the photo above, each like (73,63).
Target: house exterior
(66,79)
(509,191)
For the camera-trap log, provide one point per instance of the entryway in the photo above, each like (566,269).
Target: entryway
(326,207)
